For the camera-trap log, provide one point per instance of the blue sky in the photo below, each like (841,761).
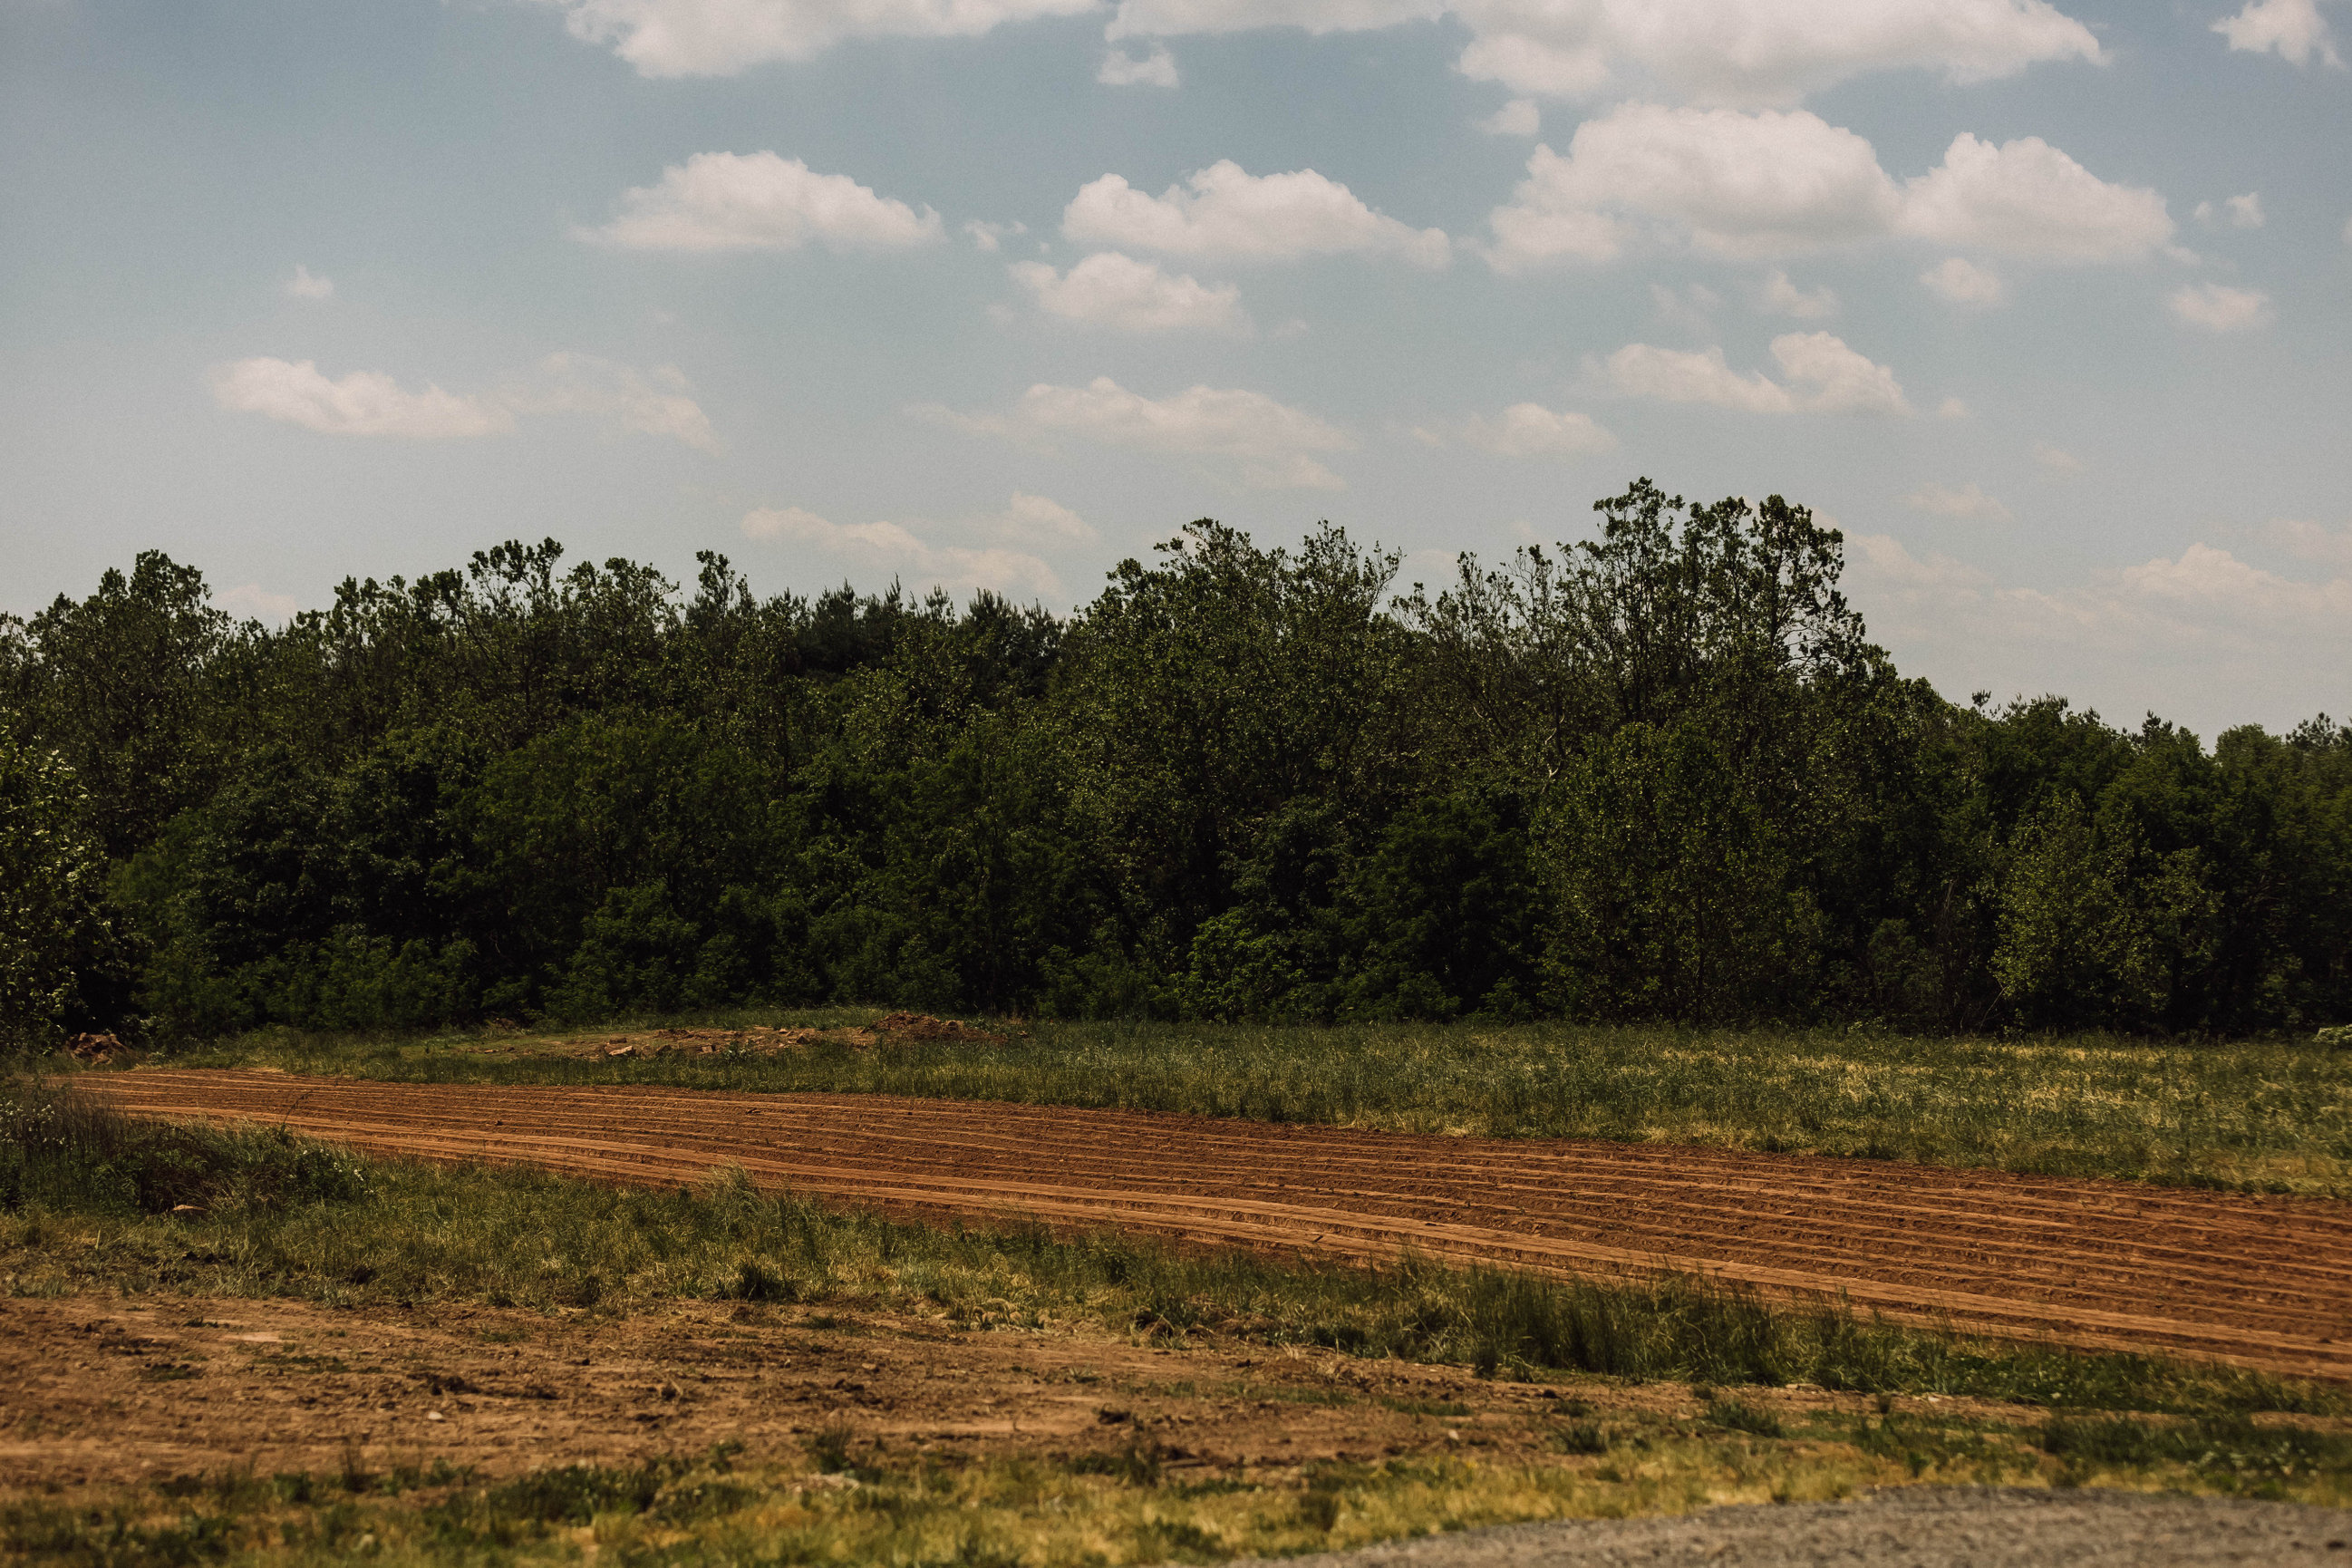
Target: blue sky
(2049,307)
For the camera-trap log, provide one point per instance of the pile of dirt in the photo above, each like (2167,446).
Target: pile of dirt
(94,1049)
(923,1027)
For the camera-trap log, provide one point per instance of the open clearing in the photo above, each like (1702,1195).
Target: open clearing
(2260,1283)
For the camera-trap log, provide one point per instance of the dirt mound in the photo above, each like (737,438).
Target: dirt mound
(94,1049)
(923,1027)
(2258,1281)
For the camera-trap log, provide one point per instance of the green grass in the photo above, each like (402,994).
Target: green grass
(394,1232)
(2269,1117)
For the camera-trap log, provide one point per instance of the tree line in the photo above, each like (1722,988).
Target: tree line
(1659,775)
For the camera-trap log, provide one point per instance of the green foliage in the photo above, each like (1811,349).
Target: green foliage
(54,932)
(1659,774)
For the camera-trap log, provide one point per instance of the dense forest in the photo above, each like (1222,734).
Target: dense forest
(1660,774)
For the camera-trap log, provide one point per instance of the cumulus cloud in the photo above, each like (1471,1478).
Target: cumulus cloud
(2027,198)
(1268,445)
(1520,117)
(2293,27)
(364,403)
(253,602)
(2238,212)
(1963,282)
(1737,184)
(1731,184)
(1169,19)
(1525,430)
(2191,635)
(1821,375)
(1114,290)
(724,37)
(1968,502)
(1732,52)
(891,546)
(758,201)
(2056,461)
(1225,213)
(304,285)
(991,237)
(583,384)
(2308,541)
(1156,68)
(1040,520)
(2217,307)
(1782,298)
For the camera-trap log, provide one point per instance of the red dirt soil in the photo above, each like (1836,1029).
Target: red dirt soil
(2254,1282)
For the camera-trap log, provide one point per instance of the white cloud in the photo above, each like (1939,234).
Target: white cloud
(1733,184)
(1822,376)
(1783,298)
(1673,375)
(2293,27)
(1268,443)
(2027,198)
(2239,211)
(303,285)
(1527,430)
(2055,461)
(2308,541)
(2217,308)
(1036,520)
(364,403)
(1690,311)
(584,384)
(758,201)
(1520,117)
(1112,290)
(1963,282)
(1951,409)
(1741,52)
(991,237)
(724,37)
(1226,213)
(1156,68)
(1169,19)
(1967,501)
(890,546)
(254,602)
(1785,183)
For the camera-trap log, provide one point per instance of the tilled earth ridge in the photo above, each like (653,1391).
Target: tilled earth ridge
(1918,1527)
(2257,1281)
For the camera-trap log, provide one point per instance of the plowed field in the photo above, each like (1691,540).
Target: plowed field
(2263,1282)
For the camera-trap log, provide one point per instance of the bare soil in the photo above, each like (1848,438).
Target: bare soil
(97,1392)
(2256,1282)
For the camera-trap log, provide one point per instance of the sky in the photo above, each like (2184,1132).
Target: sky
(2047,307)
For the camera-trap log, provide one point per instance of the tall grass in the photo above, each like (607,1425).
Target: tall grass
(2263,1115)
(392,1231)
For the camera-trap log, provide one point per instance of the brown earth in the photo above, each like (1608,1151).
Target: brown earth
(2256,1282)
(98,1392)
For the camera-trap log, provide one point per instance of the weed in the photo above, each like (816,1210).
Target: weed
(829,1448)
(1740,1417)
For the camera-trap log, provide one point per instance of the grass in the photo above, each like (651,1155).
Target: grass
(393,1232)
(851,1499)
(2268,1117)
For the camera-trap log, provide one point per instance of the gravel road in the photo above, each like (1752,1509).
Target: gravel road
(1911,1527)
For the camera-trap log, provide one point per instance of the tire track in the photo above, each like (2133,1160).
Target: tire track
(2256,1282)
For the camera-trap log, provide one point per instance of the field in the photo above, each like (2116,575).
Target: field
(835,1338)
(2272,1117)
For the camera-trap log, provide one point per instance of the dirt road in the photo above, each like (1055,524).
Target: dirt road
(2262,1282)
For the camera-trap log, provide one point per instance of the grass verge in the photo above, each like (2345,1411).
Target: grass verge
(2267,1117)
